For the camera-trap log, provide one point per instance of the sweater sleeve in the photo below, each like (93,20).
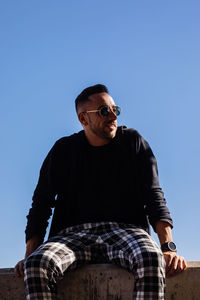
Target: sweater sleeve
(43,197)
(153,196)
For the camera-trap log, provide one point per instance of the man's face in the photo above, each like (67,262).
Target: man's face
(103,128)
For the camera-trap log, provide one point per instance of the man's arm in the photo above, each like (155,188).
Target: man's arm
(174,262)
(43,202)
(155,205)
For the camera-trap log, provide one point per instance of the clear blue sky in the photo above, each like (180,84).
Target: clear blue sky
(146,52)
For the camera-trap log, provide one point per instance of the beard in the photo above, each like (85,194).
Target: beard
(106,131)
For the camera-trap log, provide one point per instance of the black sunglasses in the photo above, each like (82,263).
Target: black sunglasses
(105,110)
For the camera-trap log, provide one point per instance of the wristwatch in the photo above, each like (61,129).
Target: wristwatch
(169,246)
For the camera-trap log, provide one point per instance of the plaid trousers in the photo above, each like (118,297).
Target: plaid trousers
(104,242)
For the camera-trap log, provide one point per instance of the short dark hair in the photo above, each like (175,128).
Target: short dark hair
(94,89)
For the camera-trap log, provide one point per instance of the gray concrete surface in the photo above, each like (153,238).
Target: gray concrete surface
(97,282)
(104,282)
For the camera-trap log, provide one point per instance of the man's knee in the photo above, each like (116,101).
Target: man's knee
(153,259)
(38,261)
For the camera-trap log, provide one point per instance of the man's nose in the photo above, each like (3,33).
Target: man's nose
(112,115)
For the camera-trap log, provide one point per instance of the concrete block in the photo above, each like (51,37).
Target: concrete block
(186,285)
(97,282)
(11,287)
(104,282)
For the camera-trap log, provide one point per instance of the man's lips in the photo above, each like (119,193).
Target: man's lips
(111,125)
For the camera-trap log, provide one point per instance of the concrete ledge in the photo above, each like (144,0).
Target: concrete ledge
(97,282)
(104,282)
(185,286)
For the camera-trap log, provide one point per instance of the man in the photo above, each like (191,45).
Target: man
(103,183)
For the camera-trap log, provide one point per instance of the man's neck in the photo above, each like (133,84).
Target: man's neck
(96,141)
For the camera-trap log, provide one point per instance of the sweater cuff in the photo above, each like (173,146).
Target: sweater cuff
(170,222)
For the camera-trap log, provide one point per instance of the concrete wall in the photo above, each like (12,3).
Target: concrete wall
(104,282)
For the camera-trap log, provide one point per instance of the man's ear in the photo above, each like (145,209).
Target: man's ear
(82,118)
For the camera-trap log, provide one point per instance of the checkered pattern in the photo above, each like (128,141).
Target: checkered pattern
(127,246)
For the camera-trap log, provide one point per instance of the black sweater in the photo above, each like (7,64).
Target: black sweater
(116,182)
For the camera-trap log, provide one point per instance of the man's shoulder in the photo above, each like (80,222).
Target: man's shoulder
(131,136)
(129,132)
(66,143)
(65,140)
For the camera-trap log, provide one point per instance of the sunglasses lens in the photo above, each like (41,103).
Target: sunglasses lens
(104,111)
(117,110)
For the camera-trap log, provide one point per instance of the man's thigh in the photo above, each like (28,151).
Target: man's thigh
(132,246)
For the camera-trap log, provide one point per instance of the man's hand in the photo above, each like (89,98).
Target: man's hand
(174,263)
(31,245)
(19,268)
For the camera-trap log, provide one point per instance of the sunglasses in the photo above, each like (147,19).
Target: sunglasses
(105,110)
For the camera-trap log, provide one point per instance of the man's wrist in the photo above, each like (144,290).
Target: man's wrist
(32,245)
(169,246)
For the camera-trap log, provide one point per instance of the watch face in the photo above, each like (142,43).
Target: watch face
(172,246)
